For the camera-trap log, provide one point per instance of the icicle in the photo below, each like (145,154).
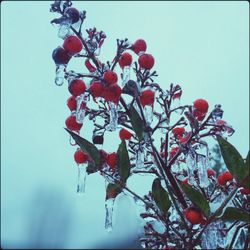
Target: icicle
(81,178)
(64,29)
(113,114)
(148,113)
(125,75)
(60,71)
(109,206)
(72,142)
(140,157)
(191,166)
(202,171)
(80,109)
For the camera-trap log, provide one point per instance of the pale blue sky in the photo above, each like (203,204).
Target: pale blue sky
(203,46)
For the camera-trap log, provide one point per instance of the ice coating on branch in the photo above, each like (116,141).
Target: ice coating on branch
(81,178)
(113,116)
(202,171)
(64,29)
(217,113)
(60,71)
(80,109)
(109,207)
(191,166)
(125,75)
(148,113)
(140,156)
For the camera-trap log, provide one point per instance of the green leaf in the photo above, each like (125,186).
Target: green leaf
(247,160)
(87,147)
(197,198)
(112,191)
(233,213)
(123,162)
(91,168)
(160,196)
(136,122)
(234,161)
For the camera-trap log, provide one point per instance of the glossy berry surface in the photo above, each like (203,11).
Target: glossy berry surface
(193,215)
(112,93)
(73,14)
(71,103)
(72,44)
(97,139)
(77,87)
(125,60)
(146,61)
(96,89)
(147,97)
(139,46)
(72,124)
(80,156)
(60,56)
(112,160)
(201,105)
(124,134)
(110,77)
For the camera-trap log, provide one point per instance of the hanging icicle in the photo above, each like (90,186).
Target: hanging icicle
(60,72)
(202,171)
(81,178)
(125,75)
(113,114)
(109,207)
(81,106)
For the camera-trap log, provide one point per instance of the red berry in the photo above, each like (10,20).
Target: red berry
(173,151)
(185,138)
(72,44)
(60,56)
(112,93)
(80,157)
(185,182)
(244,191)
(77,87)
(71,103)
(96,89)
(224,177)
(110,77)
(139,46)
(178,132)
(147,97)
(210,172)
(220,180)
(124,134)
(193,215)
(73,14)
(146,61)
(125,60)
(72,124)
(201,105)
(112,160)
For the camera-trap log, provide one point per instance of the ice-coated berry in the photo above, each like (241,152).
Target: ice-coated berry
(72,44)
(60,56)
(71,103)
(146,61)
(201,105)
(125,60)
(110,77)
(72,124)
(224,177)
(97,139)
(96,89)
(193,215)
(147,97)
(77,87)
(139,46)
(124,134)
(112,160)
(80,156)
(178,132)
(73,14)
(112,93)
(210,172)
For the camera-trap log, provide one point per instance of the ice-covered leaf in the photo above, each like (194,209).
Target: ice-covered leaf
(136,122)
(123,162)
(112,191)
(234,162)
(233,213)
(87,147)
(197,198)
(160,196)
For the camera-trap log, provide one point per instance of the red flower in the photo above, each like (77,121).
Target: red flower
(72,44)
(124,134)
(77,87)
(139,46)
(80,156)
(147,97)
(146,61)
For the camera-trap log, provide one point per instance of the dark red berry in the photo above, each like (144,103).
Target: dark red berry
(96,89)
(71,103)
(147,97)
(77,87)
(60,56)
(178,132)
(97,139)
(112,160)
(72,124)
(201,105)
(72,44)
(110,77)
(125,60)
(146,61)
(244,191)
(73,14)
(124,134)
(80,156)
(193,215)
(112,93)
(139,46)
(210,172)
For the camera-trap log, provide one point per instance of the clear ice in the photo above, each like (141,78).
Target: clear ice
(109,206)
(60,71)
(81,178)
(80,109)
(113,114)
